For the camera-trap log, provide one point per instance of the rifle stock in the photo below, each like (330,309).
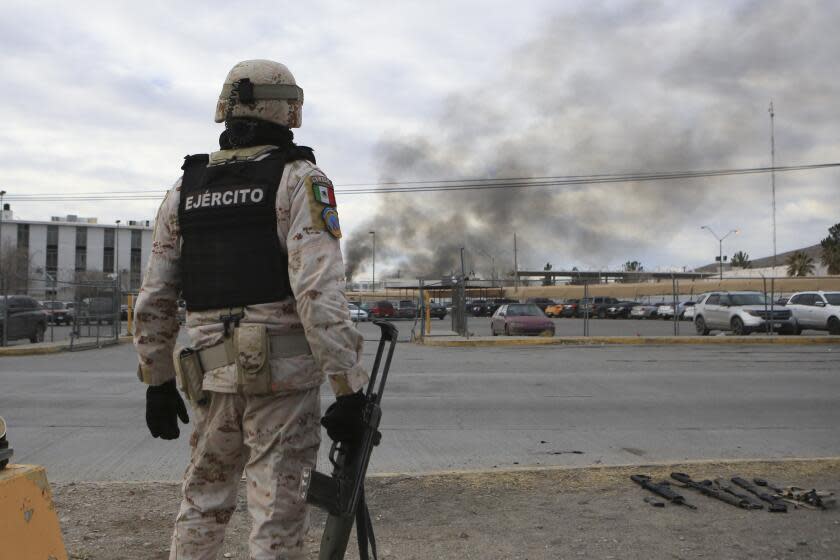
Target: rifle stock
(341,494)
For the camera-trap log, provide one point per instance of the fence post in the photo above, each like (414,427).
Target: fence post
(5,312)
(586,308)
(424,307)
(117,312)
(675,304)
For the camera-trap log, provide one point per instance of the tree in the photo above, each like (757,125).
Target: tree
(548,280)
(741,260)
(14,269)
(800,264)
(633,266)
(830,256)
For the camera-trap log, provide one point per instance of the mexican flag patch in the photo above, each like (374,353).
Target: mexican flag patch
(323,193)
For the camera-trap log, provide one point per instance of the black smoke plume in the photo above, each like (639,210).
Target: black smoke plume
(640,87)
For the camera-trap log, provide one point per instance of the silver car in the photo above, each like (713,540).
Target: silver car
(356,313)
(742,313)
(816,310)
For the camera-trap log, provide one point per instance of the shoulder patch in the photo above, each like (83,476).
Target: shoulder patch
(316,199)
(330,217)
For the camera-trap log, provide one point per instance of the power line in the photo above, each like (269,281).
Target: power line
(456,184)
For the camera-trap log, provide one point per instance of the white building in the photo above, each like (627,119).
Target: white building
(49,257)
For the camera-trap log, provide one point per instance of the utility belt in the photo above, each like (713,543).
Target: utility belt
(249,348)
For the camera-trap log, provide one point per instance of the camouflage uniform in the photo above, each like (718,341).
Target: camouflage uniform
(271,436)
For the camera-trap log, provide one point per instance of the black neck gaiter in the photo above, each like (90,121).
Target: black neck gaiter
(241,133)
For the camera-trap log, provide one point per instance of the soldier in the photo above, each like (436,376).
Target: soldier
(249,238)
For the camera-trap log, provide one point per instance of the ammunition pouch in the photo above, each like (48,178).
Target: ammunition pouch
(190,375)
(249,348)
(253,372)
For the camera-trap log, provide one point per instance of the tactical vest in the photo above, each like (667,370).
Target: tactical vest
(230,253)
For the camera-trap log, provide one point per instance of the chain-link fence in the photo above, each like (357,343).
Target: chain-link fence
(647,309)
(75,314)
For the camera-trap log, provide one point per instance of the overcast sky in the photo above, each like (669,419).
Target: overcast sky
(110,96)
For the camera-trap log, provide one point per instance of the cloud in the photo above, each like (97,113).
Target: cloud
(638,87)
(111,96)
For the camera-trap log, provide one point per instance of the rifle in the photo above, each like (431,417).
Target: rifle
(707,489)
(776,505)
(754,502)
(661,489)
(799,497)
(342,495)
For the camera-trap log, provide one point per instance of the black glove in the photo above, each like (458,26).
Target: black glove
(163,408)
(343,419)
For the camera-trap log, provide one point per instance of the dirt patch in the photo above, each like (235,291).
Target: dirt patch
(548,514)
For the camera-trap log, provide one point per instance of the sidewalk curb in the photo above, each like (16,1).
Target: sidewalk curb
(587,474)
(481,342)
(597,477)
(48,348)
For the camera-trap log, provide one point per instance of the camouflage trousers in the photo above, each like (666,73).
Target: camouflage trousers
(271,437)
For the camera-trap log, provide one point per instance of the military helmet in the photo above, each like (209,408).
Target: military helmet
(261,89)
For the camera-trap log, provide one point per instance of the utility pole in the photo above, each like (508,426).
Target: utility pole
(463,268)
(373,274)
(515,264)
(773,176)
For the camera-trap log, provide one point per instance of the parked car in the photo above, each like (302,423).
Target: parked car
(356,313)
(596,306)
(816,310)
(621,310)
(486,308)
(367,307)
(383,310)
(57,312)
(27,319)
(554,310)
(742,313)
(570,308)
(665,311)
(521,319)
(687,313)
(407,309)
(541,302)
(645,310)
(437,310)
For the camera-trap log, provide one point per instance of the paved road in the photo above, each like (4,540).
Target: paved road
(81,414)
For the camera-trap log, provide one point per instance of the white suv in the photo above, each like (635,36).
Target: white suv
(816,310)
(740,312)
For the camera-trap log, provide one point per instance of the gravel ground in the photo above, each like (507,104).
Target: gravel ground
(547,514)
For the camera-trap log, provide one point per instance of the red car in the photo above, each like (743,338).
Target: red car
(519,319)
(382,309)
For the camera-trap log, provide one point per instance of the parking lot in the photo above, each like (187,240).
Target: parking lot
(480,326)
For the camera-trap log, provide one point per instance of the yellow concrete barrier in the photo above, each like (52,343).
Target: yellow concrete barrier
(29,528)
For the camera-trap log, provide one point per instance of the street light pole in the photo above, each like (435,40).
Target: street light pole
(773,176)
(720,245)
(373,274)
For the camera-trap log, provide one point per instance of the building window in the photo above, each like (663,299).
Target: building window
(136,244)
(52,254)
(108,251)
(81,249)
(23,237)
